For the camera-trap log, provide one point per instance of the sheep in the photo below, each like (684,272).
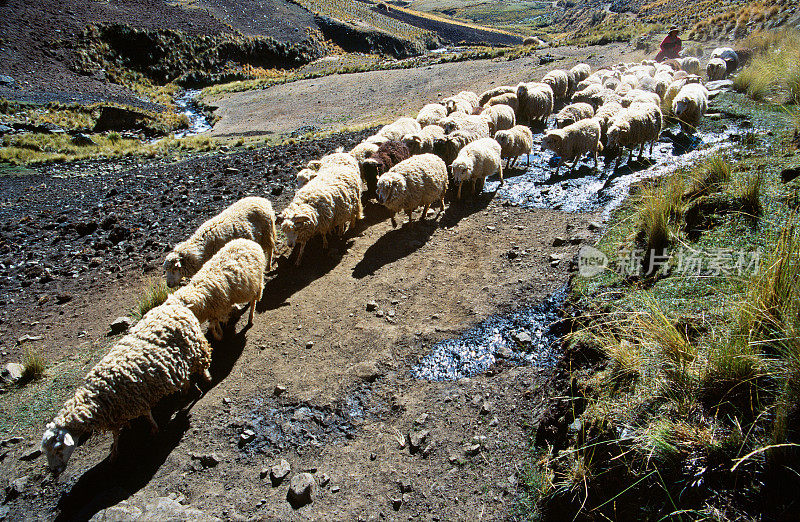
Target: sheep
(535,102)
(573,141)
(596,96)
(690,64)
(496,91)
(376,139)
(304,176)
(398,129)
(673,90)
(638,124)
(729,56)
(363,151)
(509,98)
(690,104)
(329,201)
(717,69)
(422,142)
(501,117)
(514,142)
(234,275)
(464,101)
(558,80)
(638,95)
(477,160)
(450,145)
(157,358)
(580,72)
(460,121)
(249,218)
(416,182)
(431,114)
(387,156)
(572,113)
(604,115)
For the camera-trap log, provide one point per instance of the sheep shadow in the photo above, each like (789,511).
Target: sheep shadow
(227,350)
(393,245)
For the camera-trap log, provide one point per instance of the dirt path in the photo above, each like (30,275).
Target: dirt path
(350,100)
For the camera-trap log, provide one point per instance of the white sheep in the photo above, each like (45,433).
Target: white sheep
(418,181)
(328,202)
(495,91)
(514,142)
(477,161)
(673,90)
(690,104)
(431,114)
(422,142)
(558,80)
(501,117)
(464,101)
(157,358)
(398,129)
(448,146)
(639,124)
(638,95)
(509,98)
(730,57)
(604,115)
(580,72)
(535,102)
(363,151)
(304,176)
(573,141)
(249,218)
(234,275)
(572,113)
(717,69)
(690,64)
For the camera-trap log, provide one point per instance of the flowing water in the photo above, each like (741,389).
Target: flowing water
(198,121)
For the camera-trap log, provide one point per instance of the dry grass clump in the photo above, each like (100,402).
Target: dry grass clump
(33,366)
(773,74)
(154,293)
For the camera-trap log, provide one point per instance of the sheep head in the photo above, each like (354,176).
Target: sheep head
(58,444)
(461,168)
(299,223)
(174,268)
(617,131)
(391,189)
(553,141)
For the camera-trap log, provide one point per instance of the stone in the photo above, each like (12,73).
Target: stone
(279,390)
(335,489)
(207,460)
(279,471)
(5,129)
(790,174)
(575,426)
(324,479)
(405,485)
(152,508)
(554,258)
(82,140)
(503,351)
(422,419)
(63,298)
(9,441)
(277,190)
(522,337)
(486,408)
(366,371)
(246,436)
(231,171)
(379,313)
(416,439)
(595,225)
(6,80)
(309,345)
(27,337)
(559,241)
(470,450)
(16,487)
(121,325)
(301,490)
(372,306)
(11,373)
(494,422)
(396,503)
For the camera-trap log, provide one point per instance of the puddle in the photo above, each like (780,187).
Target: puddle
(198,122)
(525,337)
(278,427)
(585,189)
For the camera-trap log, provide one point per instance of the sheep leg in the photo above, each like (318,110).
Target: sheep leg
(353,223)
(269,259)
(410,216)
(595,160)
(300,253)
(501,174)
(394,222)
(325,241)
(528,159)
(153,425)
(424,212)
(651,148)
(252,311)
(206,375)
(114,446)
(215,329)
(458,196)
(641,151)
(441,204)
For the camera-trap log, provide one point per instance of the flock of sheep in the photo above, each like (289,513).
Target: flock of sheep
(406,165)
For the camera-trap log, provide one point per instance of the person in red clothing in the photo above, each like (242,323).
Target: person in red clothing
(671,45)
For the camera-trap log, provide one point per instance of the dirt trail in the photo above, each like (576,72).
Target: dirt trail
(346,100)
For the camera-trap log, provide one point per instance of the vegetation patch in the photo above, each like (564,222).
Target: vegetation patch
(773,73)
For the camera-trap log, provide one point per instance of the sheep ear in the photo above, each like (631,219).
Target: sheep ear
(178,263)
(68,440)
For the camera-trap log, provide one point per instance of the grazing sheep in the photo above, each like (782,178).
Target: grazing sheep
(500,117)
(730,57)
(157,358)
(477,160)
(690,64)
(513,143)
(638,95)
(327,202)
(234,275)
(450,145)
(387,156)
(496,91)
(689,105)
(717,69)
(422,142)
(249,218)
(558,80)
(398,129)
(509,98)
(416,182)
(572,113)
(638,124)
(535,102)
(464,101)
(580,72)
(573,141)
(431,114)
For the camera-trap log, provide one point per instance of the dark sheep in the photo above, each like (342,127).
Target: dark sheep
(387,156)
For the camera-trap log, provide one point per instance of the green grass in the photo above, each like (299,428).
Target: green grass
(774,72)
(33,365)
(154,293)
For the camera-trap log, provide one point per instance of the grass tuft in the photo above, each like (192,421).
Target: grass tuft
(154,294)
(33,366)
